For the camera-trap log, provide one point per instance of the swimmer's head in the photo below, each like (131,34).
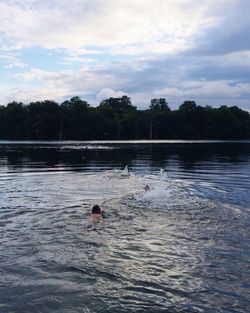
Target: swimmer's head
(96,209)
(147,188)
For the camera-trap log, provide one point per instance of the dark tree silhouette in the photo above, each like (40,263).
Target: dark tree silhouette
(117,118)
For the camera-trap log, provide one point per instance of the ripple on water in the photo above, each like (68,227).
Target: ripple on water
(165,250)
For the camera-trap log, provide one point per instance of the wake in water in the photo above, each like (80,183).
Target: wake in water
(166,249)
(155,191)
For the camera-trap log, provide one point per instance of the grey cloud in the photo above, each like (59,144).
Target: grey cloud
(149,74)
(217,72)
(230,35)
(224,40)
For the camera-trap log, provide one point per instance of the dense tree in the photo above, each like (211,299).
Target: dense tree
(120,113)
(42,120)
(157,117)
(74,119)
(117,118)
(159,104)
(13,121)
(191,121)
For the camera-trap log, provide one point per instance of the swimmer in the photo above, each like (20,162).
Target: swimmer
(97,213)
(147,188)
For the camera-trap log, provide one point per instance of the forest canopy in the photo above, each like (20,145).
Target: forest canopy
(117,119)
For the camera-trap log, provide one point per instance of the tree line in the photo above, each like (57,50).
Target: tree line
(118,119)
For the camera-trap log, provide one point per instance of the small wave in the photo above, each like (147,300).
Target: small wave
(86,147)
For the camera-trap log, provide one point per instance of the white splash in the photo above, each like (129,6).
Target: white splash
(163,174)
(125,172)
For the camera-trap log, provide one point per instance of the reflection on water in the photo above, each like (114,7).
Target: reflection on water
(182,246)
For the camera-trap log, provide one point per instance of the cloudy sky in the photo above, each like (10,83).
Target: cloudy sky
(178,49)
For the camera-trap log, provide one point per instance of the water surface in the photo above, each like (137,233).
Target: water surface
(181,247)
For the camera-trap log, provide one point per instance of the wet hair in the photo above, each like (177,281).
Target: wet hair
(96,209)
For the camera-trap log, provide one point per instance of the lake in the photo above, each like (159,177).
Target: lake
(182,246)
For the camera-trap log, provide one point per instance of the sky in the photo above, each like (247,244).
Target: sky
(95,49)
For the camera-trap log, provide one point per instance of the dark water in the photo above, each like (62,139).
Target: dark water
(184,246)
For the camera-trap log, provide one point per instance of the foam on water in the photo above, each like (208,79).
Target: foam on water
(86,147)
(158,193)
(125,172)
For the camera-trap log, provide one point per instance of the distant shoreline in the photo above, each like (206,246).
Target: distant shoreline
(117,120)
(100,142)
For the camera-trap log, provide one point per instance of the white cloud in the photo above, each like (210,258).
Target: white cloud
(169,92)
(11,60)
(206,89)
(109,93)
(238,58)
(222,89)
(37,84)
(144,48)
(145,25)
(97,83)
